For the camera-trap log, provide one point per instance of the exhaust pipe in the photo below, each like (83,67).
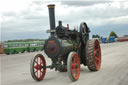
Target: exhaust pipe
(52,18)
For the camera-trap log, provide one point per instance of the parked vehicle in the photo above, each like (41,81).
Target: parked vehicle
(1,49)
(108,40)
(121,39)
(21,47)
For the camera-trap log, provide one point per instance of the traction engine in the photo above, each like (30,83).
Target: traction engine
(67,49)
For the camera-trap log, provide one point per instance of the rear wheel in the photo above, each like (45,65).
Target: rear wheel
(73,66)
(93,55)
(38,67)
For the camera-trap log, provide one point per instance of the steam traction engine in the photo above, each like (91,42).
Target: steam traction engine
(67,49)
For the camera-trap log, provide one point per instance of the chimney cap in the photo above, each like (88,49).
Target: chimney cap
(51,5)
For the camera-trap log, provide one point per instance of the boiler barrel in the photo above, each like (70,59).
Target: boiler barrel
(69,45)
(55,47)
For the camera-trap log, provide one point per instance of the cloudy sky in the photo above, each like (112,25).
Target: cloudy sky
(22,19)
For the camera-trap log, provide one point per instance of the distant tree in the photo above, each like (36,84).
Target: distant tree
(95,36)
(125,35)
(113,34)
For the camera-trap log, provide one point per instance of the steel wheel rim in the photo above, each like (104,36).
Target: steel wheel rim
(75,70)
(97,54)
(39,72)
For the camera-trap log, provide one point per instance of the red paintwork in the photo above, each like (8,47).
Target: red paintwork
(54,44)
(97,54)
(121,39)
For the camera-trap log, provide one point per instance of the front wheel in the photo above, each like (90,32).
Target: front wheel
(73,66)
(38,67)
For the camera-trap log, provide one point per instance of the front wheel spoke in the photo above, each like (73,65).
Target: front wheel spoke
(36,67)
(42,63)
(37,73)
(40,73)
(36,70)
(36,62)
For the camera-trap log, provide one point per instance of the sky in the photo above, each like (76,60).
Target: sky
(23,19)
